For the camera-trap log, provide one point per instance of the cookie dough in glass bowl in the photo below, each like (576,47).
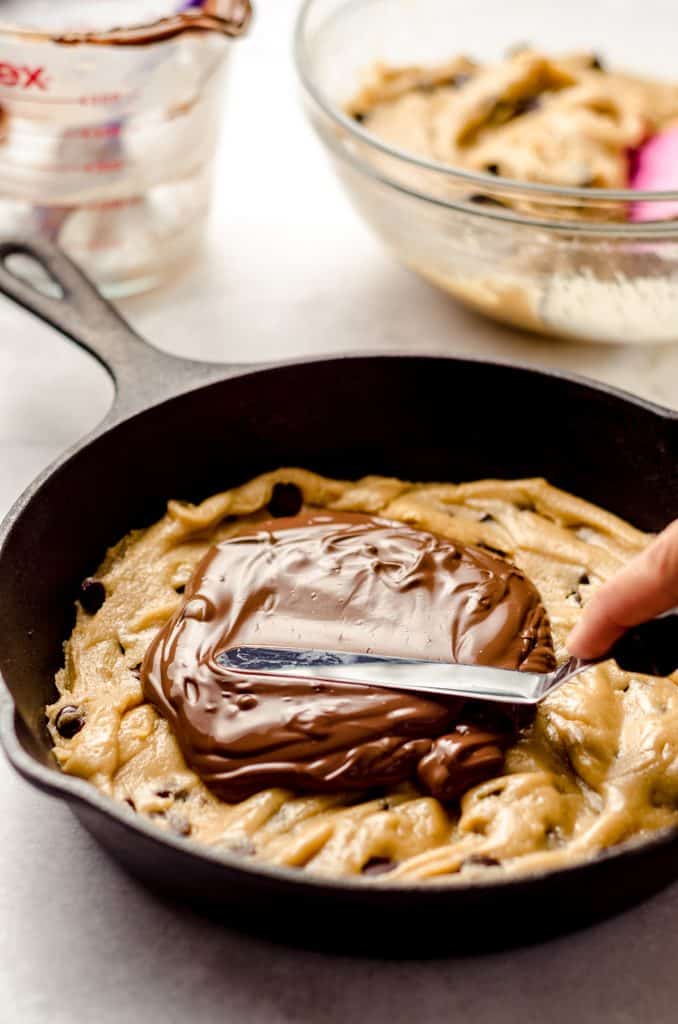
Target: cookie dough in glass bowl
(531,221)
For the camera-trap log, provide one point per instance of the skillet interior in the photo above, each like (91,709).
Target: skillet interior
(416,418)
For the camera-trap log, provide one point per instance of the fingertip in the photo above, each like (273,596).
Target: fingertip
(593,637)
(579,644)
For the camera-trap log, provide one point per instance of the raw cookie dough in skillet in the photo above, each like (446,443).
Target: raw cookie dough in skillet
(365,781)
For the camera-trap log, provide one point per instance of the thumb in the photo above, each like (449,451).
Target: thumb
(644,588)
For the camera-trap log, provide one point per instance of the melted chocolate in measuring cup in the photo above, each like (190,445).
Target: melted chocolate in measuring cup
(124,22)
(350,582)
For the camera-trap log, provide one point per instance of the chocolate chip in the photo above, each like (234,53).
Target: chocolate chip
(130,803)
(92,595)
(69,721)
(378,866)
(506,110)
(487,518)
(584,579)
(172,788)
(481,860)
(502,112)
(286,500)
(180,589)
(492,551)
(482,200)
(596,63)
(359,118)
(527,105)
(492,169)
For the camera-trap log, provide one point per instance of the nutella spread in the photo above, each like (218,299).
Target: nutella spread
(349,582)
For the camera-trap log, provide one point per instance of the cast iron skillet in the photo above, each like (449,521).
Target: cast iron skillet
(183,429)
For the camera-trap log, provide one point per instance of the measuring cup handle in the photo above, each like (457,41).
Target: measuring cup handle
(141,373)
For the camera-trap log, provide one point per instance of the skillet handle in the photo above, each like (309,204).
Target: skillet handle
(141,373)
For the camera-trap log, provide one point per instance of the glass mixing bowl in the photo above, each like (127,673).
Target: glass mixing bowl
(561,261)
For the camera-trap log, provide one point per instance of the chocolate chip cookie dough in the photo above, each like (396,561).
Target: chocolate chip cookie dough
(565,121)
(534,119)
(364,782)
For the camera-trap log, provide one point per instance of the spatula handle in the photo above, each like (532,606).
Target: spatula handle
(651,648)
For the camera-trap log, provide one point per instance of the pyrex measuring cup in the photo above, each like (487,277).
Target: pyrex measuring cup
(109,120)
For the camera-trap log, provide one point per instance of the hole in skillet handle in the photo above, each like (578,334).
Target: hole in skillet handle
(26,268)
(33,268)
(38,276)
(41,278)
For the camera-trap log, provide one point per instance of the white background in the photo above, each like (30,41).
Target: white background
(289,270)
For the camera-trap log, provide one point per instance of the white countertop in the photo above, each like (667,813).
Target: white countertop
(289,270)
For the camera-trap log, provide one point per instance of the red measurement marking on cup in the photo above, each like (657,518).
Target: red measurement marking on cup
(93,167)
(23,77)
(103,166)
(94,131)
(101,99)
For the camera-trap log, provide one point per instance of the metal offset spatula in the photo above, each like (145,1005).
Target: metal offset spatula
(651,649)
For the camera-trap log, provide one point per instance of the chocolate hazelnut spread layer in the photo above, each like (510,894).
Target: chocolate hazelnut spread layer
(446,562)
(349,582)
